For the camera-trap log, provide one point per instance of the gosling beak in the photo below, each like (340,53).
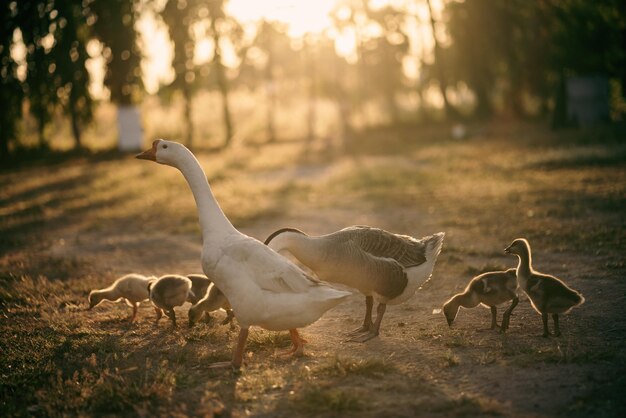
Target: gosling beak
(449,322)
(149,154)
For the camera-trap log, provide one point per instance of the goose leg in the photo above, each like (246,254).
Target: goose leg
(372,333)
(171,315)
(557,331)
(237,360)
(544,318)
(229,317)
(367,321)
(507,315)
(298,344)
(132,318)
(494,313)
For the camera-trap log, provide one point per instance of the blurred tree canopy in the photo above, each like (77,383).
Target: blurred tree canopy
(507,54)
(531,46)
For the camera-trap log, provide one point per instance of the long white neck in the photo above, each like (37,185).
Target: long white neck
(212,219)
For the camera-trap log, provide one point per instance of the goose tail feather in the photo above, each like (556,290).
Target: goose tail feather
(433,246)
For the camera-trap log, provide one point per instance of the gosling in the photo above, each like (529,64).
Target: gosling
(212,301)
(132,288)
(199,287)
(489,290)
(547,294)
(167,292)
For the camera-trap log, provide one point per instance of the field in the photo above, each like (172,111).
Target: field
(75,222)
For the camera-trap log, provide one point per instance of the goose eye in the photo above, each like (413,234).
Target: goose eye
(164,146)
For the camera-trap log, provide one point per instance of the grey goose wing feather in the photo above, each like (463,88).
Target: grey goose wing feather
(407,251)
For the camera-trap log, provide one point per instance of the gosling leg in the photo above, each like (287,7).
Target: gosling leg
(507,315)
(132,318)
(557,331)
(159,314)
(544,318)
(171,315)
(494,314)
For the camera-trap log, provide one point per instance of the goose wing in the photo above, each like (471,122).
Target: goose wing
(406,250)
(268,269)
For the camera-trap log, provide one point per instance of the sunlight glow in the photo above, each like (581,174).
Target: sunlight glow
(301,16)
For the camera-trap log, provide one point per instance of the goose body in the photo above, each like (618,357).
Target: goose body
(547,294)
(133,288)
(212,301)
(383,266)
(489,290)
(168,292)
(263,288)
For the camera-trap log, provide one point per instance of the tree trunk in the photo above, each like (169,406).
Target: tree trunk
(559,118)
(440,66)
(222,85)
(4,147)
(187,97)
(41,125)
(75,127)
(312,112)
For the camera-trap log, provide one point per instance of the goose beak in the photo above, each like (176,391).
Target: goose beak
(149,154)
(449,322)
(507,250)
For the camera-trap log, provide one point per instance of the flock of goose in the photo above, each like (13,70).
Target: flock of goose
(252,281)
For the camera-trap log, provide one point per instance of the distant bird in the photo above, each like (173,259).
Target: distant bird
(381,265)
(264,288)
(547,294)
(169,291)
(133,288)
(213,300)
(490,290)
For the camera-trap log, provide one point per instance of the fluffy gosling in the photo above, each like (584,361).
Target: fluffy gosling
(133,288)
(212,301)
(489,290)
(167,292)
(547,294)
(199,287)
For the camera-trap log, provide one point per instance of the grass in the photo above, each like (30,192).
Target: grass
(318,400)
(369,367)
(78,221)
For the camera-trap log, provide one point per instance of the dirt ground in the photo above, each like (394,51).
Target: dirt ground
(565,193)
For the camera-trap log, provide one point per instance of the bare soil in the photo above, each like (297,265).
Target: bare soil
(564,193)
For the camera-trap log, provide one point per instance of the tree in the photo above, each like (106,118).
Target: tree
(114,26)
(220,26)
(280,62)
(70,56)
(179,16)
(10,87)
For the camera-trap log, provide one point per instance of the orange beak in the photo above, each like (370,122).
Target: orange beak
(149,154)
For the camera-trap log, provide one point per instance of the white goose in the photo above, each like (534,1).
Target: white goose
(381,265)
(264,288)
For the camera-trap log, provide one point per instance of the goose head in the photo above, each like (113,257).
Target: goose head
(94,299)
(450,311)
(517,247)
(165,152)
